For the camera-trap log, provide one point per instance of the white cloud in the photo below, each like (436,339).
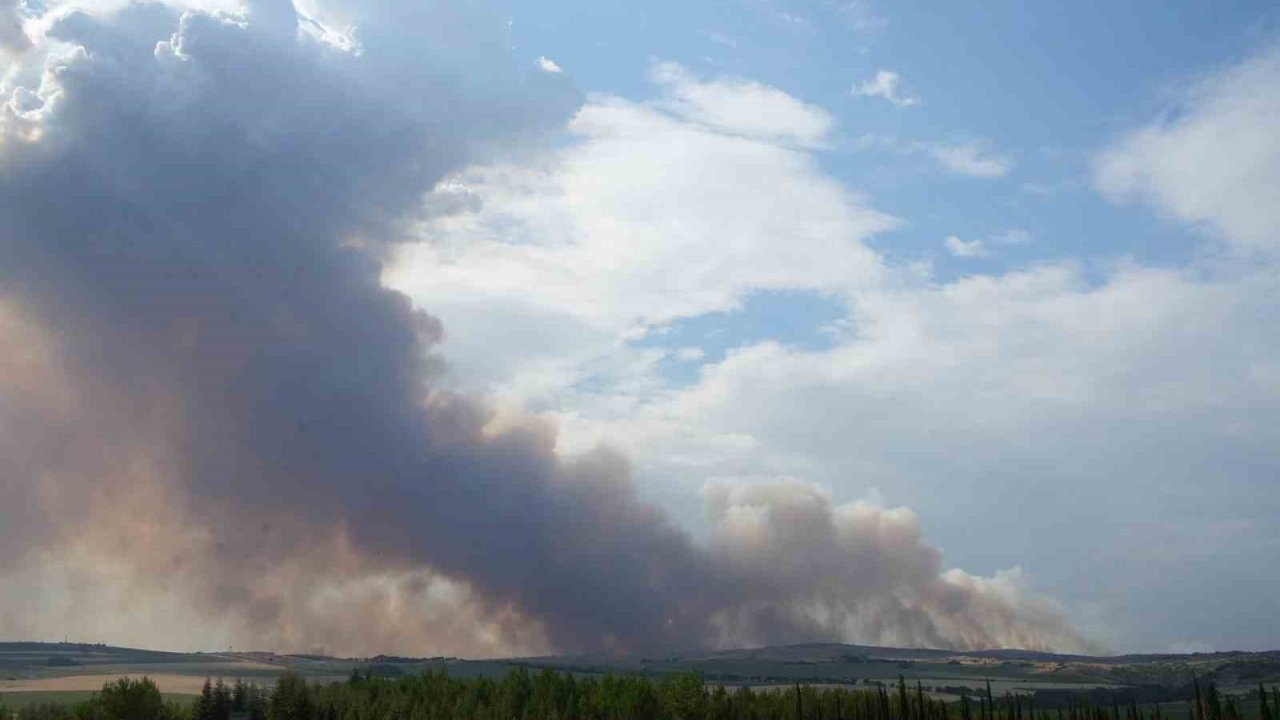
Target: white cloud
(967,159)
(1214,160)
(861,16)
(645,218)
(12,36)
(546,64)
(690,354)
(965,248)
(971,158)
(885,85)
(982,247)
(742,107)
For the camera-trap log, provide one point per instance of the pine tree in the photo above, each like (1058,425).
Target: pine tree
(221,709)
(203,708)
(240,696)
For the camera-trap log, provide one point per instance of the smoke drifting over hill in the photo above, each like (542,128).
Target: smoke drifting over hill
(212,411)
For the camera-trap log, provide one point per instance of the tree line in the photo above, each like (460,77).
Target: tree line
(551,695)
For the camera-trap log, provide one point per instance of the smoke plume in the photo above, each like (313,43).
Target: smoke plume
(216,424)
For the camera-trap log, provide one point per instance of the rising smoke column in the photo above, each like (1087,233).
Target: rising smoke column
(215,398)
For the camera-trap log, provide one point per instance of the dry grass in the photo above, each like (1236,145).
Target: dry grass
(167,682)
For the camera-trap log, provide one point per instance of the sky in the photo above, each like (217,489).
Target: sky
(839,320)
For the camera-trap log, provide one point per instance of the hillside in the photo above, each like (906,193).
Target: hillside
(33,667)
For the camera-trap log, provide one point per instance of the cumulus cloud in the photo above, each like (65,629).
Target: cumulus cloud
(742,107)
(885,85)
(546,64)
(645,218)
(219,411)
(1213,160)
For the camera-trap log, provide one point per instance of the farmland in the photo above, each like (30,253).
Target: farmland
(78,668)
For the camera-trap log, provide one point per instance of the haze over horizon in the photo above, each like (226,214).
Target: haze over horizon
(487,329)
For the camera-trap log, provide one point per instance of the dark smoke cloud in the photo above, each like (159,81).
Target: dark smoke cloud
(214,399)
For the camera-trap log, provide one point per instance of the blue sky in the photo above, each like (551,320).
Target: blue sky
(961,313)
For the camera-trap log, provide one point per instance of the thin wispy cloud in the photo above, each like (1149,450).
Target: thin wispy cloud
(966,248)
(742,106)
(967,159)
(721,39)
(886,85)
(984,247)
(972,158)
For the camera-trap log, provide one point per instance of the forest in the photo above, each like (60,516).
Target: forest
(551,695)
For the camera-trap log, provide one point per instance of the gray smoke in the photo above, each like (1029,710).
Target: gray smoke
(213,403)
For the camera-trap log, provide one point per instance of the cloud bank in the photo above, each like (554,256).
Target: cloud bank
(1128,410)
(221,426)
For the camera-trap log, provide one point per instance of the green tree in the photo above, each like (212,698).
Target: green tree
(684,697)
(203,707)
(291,699)
(240,696)
(128,699)
(221,708)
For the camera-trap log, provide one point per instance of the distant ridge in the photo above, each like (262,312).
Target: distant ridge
(946,671)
